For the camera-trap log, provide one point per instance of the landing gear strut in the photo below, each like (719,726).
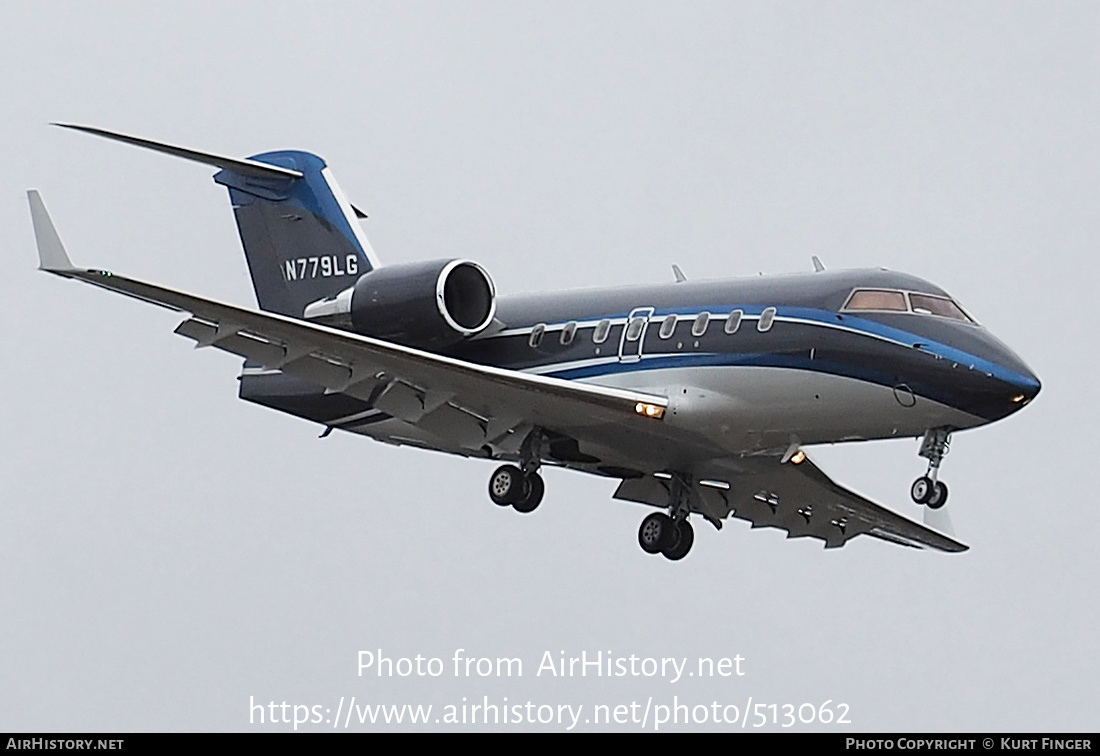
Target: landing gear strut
(928,489)
(670,534)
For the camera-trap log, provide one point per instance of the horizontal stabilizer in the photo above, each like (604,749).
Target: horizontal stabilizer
(242,166)
(51,252)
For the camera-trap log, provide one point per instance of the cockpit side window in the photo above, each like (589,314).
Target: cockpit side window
(877,299)
(926,304)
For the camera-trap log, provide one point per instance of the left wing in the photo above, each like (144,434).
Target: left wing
(471,404)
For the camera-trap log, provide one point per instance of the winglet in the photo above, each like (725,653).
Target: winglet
(51,252)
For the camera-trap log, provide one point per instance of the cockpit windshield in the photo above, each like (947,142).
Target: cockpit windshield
(926,304)
(877,299)
(893,300)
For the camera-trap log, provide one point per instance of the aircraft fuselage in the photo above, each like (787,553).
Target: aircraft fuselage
(749,364)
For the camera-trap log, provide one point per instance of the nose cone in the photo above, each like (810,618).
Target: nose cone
(996,382)
(1019,383)
(1027,385)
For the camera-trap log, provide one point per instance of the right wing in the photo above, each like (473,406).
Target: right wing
(796,497)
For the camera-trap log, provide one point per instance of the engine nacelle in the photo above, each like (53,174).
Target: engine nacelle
(422,304)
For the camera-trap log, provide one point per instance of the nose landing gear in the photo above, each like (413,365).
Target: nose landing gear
(928,489)
(932,493)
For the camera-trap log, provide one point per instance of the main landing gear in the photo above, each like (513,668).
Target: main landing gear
(670,534)
(510,486)
(928,489)
(520,487)
(660,534)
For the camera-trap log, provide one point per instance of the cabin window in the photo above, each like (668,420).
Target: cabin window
(733,321)
(668,327)
(766,319)
(536,335)
(634,328)
(926,304)
(568,332)
(599,335)
(877,299)
(699,327)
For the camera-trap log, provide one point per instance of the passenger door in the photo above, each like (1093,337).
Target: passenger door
(630,344)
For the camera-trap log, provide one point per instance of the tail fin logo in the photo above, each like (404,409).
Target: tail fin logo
(323,266)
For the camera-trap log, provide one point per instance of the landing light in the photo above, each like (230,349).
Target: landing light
(649,410)
(798,458)
(1018,398)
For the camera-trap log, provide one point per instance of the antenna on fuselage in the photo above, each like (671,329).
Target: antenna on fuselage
(680,277)
(818,266)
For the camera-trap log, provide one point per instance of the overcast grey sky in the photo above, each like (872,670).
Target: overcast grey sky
(168,552)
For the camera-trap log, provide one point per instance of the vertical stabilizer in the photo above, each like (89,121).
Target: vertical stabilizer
(300,235)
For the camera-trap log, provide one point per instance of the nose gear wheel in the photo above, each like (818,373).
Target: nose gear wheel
(922,489)
(938,496)
(928,489)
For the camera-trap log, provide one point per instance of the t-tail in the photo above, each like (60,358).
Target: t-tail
(302,239)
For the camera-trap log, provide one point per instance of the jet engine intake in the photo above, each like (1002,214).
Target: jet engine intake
(422,304)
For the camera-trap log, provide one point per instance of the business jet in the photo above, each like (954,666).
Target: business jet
(700,397)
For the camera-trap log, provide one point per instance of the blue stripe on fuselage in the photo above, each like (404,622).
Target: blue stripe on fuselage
(831,320)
